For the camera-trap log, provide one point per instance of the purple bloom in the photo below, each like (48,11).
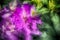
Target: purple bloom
(24,20)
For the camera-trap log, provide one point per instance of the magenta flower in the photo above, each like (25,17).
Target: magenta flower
(24,21)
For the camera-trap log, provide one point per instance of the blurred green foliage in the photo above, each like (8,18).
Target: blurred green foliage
(49,9)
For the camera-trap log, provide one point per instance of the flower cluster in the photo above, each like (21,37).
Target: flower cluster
(23,20)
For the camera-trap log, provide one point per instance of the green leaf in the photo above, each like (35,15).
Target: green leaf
(45,1)
(43,10)
(56,21)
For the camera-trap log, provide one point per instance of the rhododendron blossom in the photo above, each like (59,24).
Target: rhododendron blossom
(23,20)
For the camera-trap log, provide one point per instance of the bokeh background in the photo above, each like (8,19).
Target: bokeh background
(49,11)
